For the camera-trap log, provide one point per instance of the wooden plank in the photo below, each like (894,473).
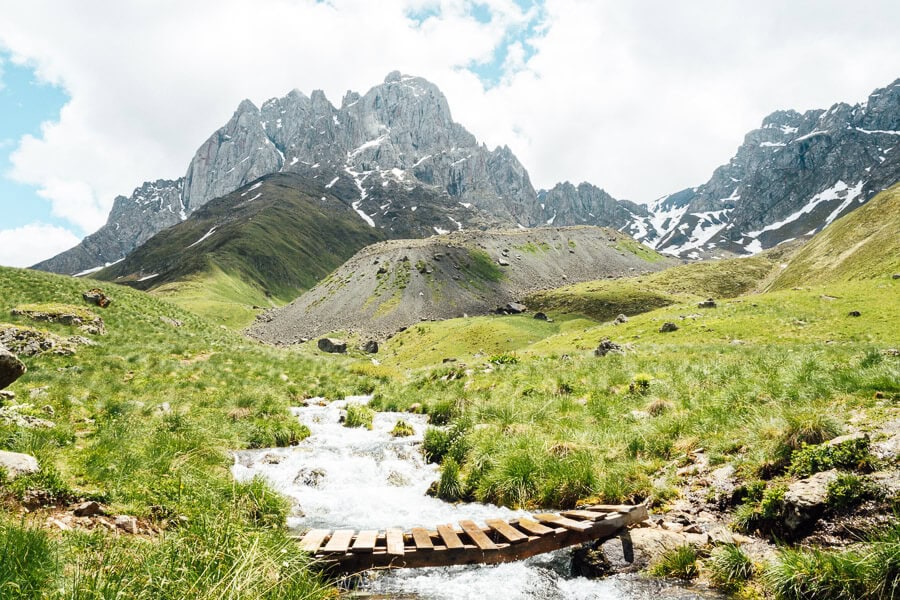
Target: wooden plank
(622,508)
(533,527)
(563,522)
(451,540)
(313,539)
(395,542)
(422,539)
(365,541)
(339,542)
(477,535)
(583,514)
(507,531)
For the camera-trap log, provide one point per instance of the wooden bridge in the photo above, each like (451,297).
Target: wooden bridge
(349,551)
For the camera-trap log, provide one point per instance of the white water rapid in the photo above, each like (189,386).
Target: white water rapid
(355,478)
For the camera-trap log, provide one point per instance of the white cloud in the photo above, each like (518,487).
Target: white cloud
(642,98)
(30,244)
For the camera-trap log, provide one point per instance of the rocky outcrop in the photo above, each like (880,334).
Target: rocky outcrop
(11,368)
(567,204)
(805,501)
(132,221)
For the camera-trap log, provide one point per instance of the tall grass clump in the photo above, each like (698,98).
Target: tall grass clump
(359,415)
(680,563)
(729,567)
(27,561)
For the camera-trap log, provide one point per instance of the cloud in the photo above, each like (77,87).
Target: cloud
(642,98)
(30,244)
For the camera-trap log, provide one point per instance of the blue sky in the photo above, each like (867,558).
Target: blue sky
(25,103)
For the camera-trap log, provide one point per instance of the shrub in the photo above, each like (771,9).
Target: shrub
(848,490)
(359,415)
(680,562)
(729,567)
(436,444)
(402,429)
(504,358)
(853,455)
(640,384)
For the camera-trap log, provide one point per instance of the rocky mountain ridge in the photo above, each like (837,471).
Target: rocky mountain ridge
(790,178)
(396,150)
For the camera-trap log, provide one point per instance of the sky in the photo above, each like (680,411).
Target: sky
(641,98)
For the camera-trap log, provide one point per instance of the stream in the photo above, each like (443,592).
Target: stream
(343,478)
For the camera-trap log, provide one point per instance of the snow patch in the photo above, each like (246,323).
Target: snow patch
(255,197)
(839,190)
(440,231)
(253,187)
(148,277)
(331,183)
(205,235)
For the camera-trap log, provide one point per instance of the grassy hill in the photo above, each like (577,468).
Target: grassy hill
(864,244)
(144,421)
(261,245)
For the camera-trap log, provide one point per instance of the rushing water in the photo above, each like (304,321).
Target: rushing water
(359,479)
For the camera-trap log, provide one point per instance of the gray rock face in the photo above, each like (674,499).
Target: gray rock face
(16,464)
(374,152)
(332,346)
(806,499)
(132,221)
(11,368)
(790,178)
(566,204)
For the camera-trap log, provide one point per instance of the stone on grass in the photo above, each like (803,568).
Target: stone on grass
(708,303)
(97,298)
(608,346)
(668,327)
(620,319)
(371,347)
(331,345)
(806,500)
(16,464)
(11,368)
(89,509)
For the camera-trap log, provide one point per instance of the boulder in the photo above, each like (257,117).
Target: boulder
(97,297)
(371,347)
(668,327)
(502,262)
(332,345)
(11,368)
(515,308)
(620,319)
(15,464)
(805,501)
(127,523)
(89,509)
(708,303)
(854,313)
(895,276)
(541,316)
(631,551)
(607,346)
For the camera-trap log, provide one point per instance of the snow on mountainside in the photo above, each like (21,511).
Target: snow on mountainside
(789,179)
